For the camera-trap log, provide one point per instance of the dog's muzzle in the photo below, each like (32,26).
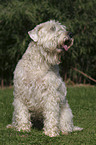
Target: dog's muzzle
(67,43)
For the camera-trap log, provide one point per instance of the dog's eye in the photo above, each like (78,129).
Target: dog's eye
(53,28)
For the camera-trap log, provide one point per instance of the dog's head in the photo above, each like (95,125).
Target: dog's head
(53,37)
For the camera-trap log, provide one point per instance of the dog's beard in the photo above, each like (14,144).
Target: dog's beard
(60,55)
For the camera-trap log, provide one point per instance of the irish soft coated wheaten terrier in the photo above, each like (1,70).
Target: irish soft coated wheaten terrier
(39,91)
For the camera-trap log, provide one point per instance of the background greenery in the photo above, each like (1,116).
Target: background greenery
(17,17)
(82,101)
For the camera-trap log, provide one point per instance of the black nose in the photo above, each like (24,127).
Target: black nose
(70,34)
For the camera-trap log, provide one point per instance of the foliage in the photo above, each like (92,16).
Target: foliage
(83,104)
(17,17)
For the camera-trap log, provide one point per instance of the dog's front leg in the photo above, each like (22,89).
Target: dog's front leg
(51,114)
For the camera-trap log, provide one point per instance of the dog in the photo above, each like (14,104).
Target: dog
(39,91)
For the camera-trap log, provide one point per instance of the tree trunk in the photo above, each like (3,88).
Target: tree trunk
(65,77)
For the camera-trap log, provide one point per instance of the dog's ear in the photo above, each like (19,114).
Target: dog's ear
(34,33)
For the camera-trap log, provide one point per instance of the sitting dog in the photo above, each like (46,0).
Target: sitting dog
(39,91)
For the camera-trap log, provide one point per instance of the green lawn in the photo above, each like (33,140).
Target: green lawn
(82,101)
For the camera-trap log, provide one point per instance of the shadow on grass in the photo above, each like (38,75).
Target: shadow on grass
(37,123)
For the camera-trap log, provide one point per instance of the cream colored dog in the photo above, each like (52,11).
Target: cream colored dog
(38,88)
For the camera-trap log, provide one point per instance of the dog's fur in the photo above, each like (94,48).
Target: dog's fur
(38,88)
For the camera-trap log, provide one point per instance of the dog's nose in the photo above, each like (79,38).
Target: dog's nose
(70,34)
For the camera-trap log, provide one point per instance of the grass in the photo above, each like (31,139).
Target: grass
(82,101)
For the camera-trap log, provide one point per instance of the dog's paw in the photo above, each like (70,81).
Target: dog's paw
(65,133)
(9,126)
(51,134)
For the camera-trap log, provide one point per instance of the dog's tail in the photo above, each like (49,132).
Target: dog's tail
(76,128)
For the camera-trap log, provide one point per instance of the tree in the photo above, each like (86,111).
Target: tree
(17,17)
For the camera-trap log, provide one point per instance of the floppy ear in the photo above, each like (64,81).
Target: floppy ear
(34,33)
